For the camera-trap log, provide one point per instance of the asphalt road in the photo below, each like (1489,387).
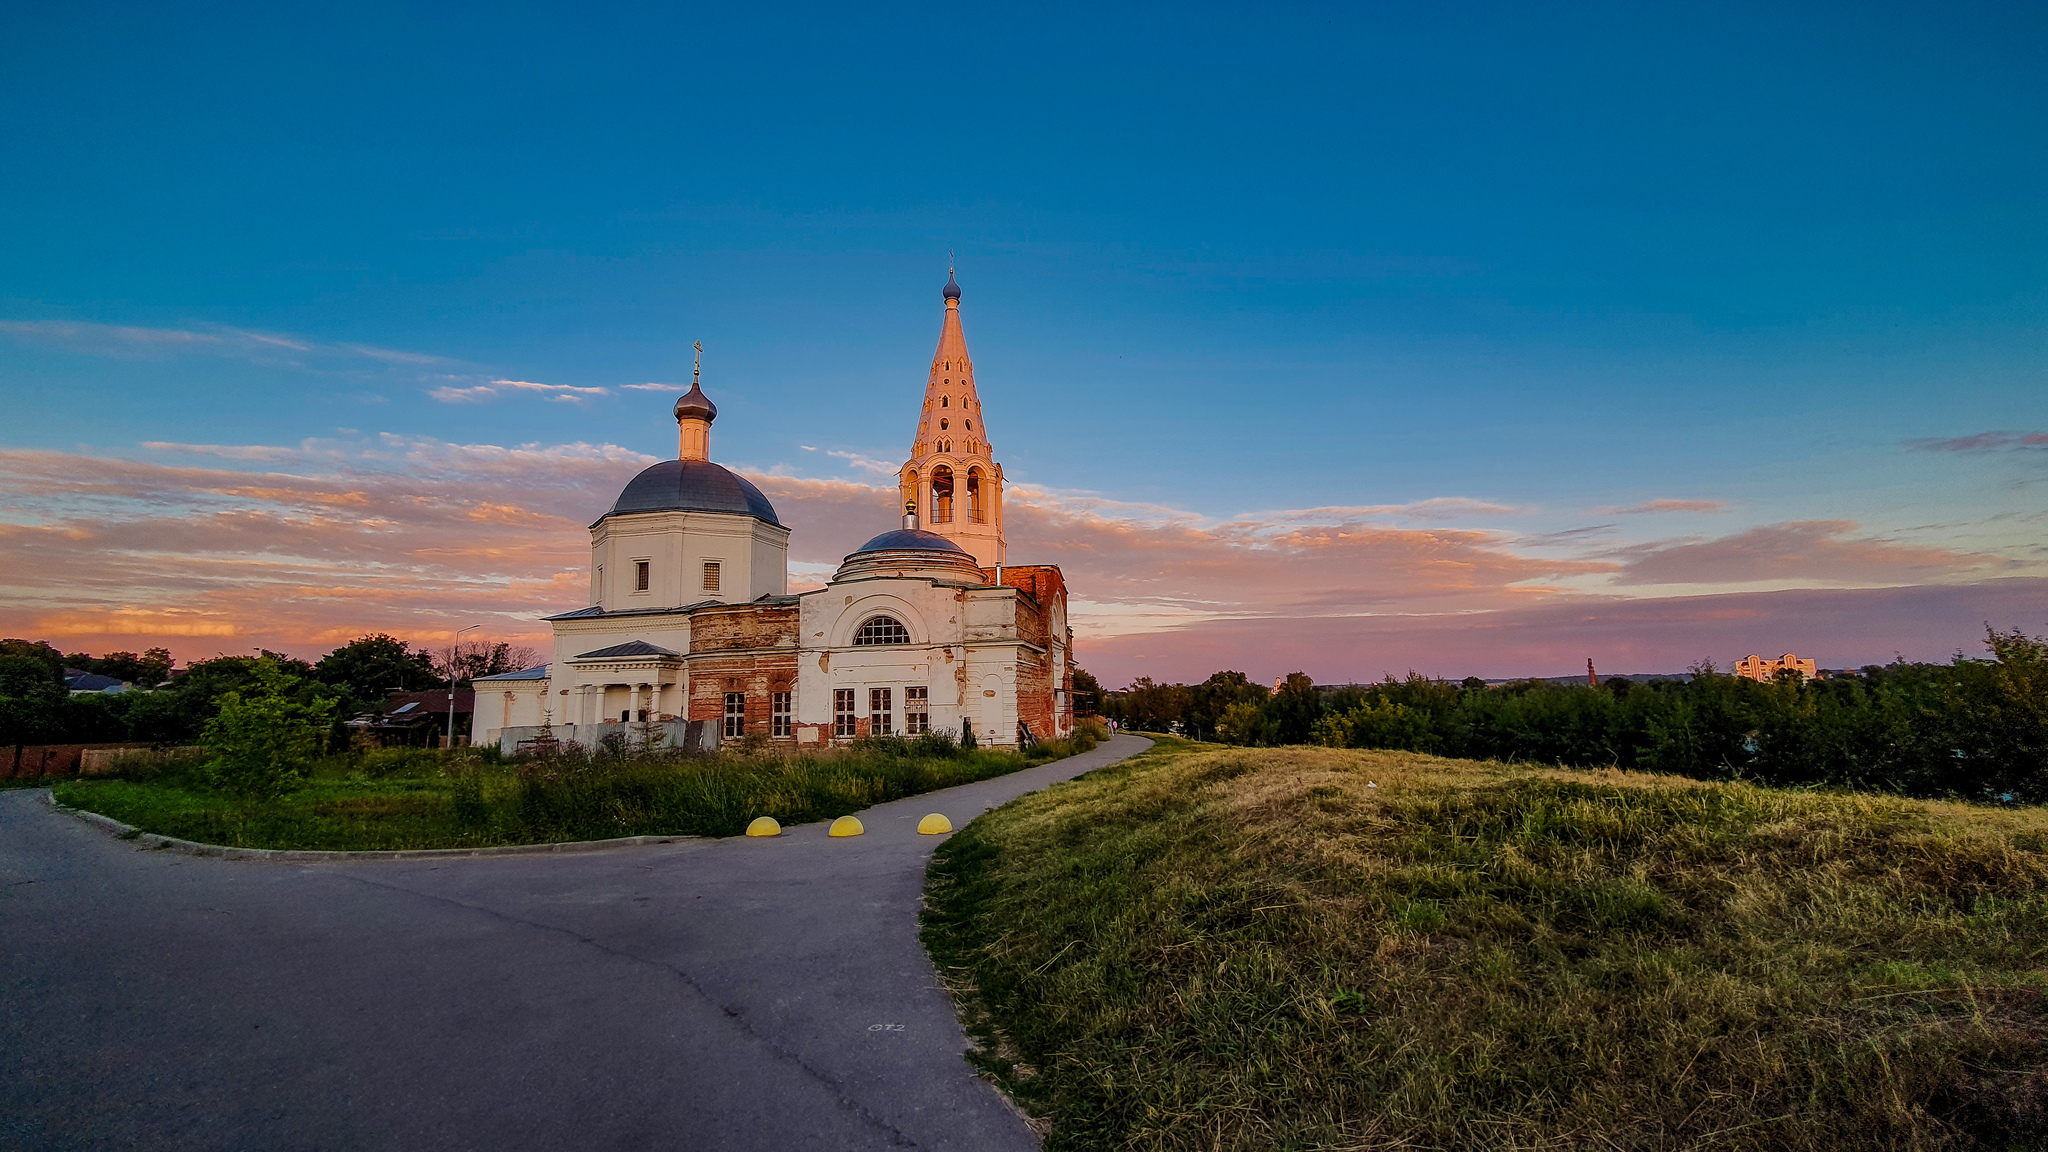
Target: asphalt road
(712,994)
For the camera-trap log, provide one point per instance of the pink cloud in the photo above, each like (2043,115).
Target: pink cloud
(1842,628)
(225,548)
(1983,442)
(1820,550)
(1650,506)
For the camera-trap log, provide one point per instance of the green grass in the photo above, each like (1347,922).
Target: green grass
(411,799)
(1252,949)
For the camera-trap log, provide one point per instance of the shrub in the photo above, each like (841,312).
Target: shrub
(262,736)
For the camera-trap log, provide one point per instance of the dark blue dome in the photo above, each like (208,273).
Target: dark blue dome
(910,540)
(952,289)
(692,486)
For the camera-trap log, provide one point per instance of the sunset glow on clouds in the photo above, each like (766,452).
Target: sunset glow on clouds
(224,548)
(1358,339)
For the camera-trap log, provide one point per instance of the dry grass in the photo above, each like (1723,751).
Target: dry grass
(1237,949)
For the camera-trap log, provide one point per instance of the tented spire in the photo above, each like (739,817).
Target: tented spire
(952,475)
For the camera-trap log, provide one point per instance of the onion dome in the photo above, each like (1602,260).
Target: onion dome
(952,289)
(693,486)
(695,405)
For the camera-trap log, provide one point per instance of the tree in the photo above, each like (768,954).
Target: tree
(1244,723)
(145,671)
(31,697)
(1208,701)
(1087,691)
(36,650)
(1294,709)
(474,658)
(178,714)
(368,667)
(263,734)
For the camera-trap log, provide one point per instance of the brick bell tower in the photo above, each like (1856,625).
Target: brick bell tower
(952,480)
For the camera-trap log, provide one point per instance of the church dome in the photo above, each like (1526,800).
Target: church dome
(909,540)
(952,288)
(692,486)
(912,552)
(695,405)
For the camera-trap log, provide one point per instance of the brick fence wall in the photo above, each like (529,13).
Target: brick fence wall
(51,759)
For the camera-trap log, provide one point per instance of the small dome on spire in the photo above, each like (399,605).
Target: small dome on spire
(952,289)
(695,405)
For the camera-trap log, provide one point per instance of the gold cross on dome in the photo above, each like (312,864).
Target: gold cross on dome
(699,369)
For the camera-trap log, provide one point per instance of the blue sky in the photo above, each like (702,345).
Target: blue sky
(1227,262)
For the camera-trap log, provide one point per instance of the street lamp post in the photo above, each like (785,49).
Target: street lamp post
(452,645)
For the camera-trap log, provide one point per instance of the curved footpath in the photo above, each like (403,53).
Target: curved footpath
(704,994)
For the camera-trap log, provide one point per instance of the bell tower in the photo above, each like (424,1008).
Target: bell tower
(952,479)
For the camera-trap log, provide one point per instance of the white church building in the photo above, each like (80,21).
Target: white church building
(691,628)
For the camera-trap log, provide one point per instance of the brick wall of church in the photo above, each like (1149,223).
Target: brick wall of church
(745,649)
(1043,586)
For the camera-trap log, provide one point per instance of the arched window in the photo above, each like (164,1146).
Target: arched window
(974,510)
(942,495)
(882,630)
(945,401)
(968,424)
(943,423)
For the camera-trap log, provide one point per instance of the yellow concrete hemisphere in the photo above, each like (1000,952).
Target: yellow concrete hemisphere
(847,826)
(764,826)
(934,825)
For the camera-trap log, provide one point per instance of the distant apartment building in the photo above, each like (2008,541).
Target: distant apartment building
(1758,668)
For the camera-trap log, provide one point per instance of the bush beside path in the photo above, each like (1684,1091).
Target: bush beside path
(407,799)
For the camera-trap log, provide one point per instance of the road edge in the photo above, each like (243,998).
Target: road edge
(154,840)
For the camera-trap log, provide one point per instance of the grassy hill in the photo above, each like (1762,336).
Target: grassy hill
(1301,948)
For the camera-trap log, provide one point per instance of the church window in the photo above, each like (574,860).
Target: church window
(968,424)
(942,495)
(640,575)
(735,715)
(944,424)
(779,713)
(711,575)
(882,630)
(917,718)
(878,711)
(975,512)
(842,712)
(945,401)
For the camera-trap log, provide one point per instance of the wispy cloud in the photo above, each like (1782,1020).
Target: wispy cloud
(1648,507)
(1983,442)
(491,390)
(130,341)
(653,387)
(867,463)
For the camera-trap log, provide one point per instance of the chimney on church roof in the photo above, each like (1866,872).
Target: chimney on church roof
(694,414)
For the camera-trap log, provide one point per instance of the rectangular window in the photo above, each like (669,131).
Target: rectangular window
(711,575)
(842,712)
(879,708)
(640,580)
(917,715)
(778,713)
(735,714)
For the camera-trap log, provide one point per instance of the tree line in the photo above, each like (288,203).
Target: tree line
(35,707)
(1972,729)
